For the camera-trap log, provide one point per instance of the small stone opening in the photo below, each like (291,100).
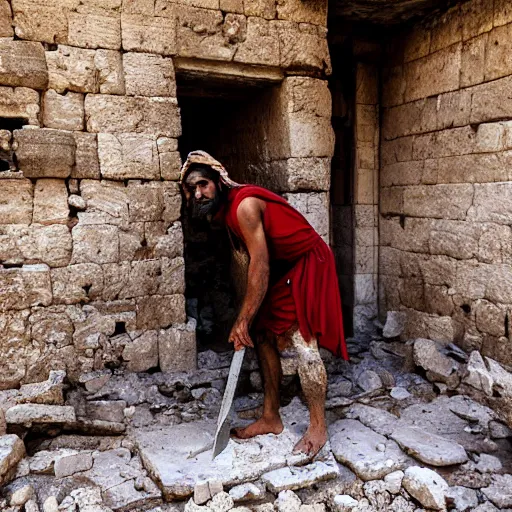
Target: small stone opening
(236,123)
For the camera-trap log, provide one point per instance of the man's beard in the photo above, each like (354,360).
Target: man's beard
(205,210)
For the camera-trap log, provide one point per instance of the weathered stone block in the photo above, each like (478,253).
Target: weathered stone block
(63,112)
(308,174)
(485,207)
(109,68)
(303,46)
(149,34)
(50,202)
(108,199)
(498,47)
(170,245)
(25,287)
(42,20)
(95,244)
(51,326)
(172,280)
(146,7)
(6,29)
(149,75)
(172,202)
(490,318)
(394,86)
(260,45)
(417,43)
(260,8)
(502,13)
(142,352)
(447,30)
(477,16)
(170,159)
(160,312)
(392,200)
(200,34)
(45,153)
(16,202)
(14,339)
(414,117)
(143,279)
(23,64)
(484,106)
(145,202)
(87,164)
(442,68)
(76,283)
(453,109)
(310,136)
(473,63)
(115,114)
(236,6)
(402,173)
(302,12)
(90,30)
(438,201)
(20,102)
(124,156)
(177,348)
(12,451)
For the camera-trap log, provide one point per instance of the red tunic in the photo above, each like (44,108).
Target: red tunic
(307,293)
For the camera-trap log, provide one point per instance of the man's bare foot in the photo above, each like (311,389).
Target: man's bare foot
(259,427)
(312,442)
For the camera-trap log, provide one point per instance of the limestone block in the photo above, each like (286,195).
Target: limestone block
(307,174)
(19,102)
(442,69)
(447,30)
(142,352)
(115,114)
(302,12)
(131,242)
(315,207)
(6,29)
(76,283)
(484,106)
(426,486)
(498,47)
(261,44)
(25,287)
(42,20)
(310,136)
(149,75)
(50,202)
(108,199)
(124,156)
(299,91)
(485,207)
(63,112)
(502,13)
(394,86)
(143,279)
(149,34)
(14,339)
(160,312)
(12,451)
(71,69)
(473,62)
(477,18)
(23,64)
(95,244)
(438,201)
(170,159)
(146,7)
(303,46)
(171,244)
(173,276)
(109,68)
(414,117)
(95,30)
(116,279)
(177,348)
(260,8)
(16,202)
(87,165)
(236,6)
(145,201)
(45,153)
(172,202)
(200,34)
(417,43)
(490,318)
(39,413)
(52,326)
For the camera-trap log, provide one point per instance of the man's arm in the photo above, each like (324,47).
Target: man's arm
(250,219)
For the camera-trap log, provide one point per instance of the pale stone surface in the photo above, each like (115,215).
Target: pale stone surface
(177,348)
(63,112)
(429,448)
(369,381)
(463,498)
(6,29)
(71,464)
(76,283)
(48,392)
(381,421)
(500,491)
(426,486)
(89,30)
(245,492)
(288,479)
(362,454)
(20,496)
(148,75)
(12,450)
(50,202)
(38,413)
(45,153)
(149,34)
(95,244)
(427,355)
(477,374)
(395,324)
(142,352)
(16,202)
(23,64)
(20,102)
(261,44)
(86,156)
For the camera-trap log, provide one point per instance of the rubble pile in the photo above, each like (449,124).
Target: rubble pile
(412,426)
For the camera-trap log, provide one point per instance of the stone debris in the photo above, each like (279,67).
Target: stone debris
(21,496)
(369,381)
(27,414)
(51,504)
(12,450)
(292,478)
(439,368)
(201,492)
(49,392)
(344,502)
(287,501)
(245,492)
(500,491)
(462,497)
(221,502)
(395,324)
(426,486)
(71,464)
(429,448)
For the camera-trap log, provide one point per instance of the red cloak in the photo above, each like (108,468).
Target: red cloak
(307,294)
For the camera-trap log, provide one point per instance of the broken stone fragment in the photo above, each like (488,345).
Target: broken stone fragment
(94,381)
(462,497)
(71,464)
(215,485)
(23,64)
(26,414)
(12,450)
(438,366)
(221,502)
(369,381)
(51,504)
(426,486)
(429,448)
(395,324)
(287,501)
(48,392)
(3,424)
(500,491)
(201,492)
(344,502)
(246,492)
(77,202)
(20,496)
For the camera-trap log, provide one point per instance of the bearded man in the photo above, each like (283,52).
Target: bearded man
(291,294)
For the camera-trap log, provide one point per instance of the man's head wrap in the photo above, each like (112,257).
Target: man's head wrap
(203,158)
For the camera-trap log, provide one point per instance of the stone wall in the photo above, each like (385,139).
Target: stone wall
(91,246)
(445,183)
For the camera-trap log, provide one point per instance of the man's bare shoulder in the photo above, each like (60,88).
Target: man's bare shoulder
(250,208)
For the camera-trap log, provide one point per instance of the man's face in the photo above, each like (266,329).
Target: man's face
(203,194)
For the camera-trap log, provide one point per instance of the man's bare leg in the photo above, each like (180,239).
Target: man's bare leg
(270,365)
(313,379)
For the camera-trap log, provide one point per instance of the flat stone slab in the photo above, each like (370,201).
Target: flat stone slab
(174,456)
(292,478)
(12,450)
(38,413)
(370,455)
(500,491)
(429,448)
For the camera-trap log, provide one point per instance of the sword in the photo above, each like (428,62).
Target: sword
(223,430)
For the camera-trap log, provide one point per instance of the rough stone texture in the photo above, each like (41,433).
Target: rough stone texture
(16,203)
(23,64)
(426,486)
(38,413)
(50,202)
(63,112)
(499,492)
(149,34)
(148,75)
(177,348)
(20,102)
(66,466)
(48,392)
(12,450)
(142,352)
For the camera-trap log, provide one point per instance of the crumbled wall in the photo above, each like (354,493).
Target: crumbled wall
(91,246)
(445,182)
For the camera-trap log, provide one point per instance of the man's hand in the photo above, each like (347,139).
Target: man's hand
(239,334)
